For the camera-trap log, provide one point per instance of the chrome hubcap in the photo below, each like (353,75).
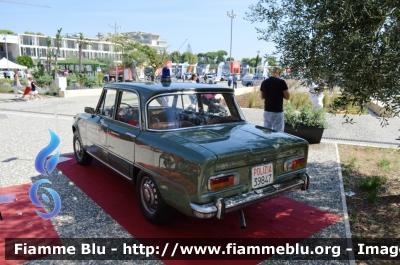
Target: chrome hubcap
(149,195)
(78,148)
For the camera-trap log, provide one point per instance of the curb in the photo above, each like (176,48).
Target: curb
(345,212)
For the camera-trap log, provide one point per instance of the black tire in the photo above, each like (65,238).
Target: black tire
(210,82)
(248,84)
(153,206)
(81,156)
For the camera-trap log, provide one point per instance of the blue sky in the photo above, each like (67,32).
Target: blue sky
(204,23)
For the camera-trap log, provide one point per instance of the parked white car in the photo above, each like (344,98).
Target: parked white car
(211,79)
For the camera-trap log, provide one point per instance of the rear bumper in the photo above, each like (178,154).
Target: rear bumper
(226,205)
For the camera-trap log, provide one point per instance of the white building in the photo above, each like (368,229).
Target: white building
(151,39)
(36,46)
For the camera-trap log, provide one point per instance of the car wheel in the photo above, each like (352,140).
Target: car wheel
(210,82)
(81,156)
(153,206)
(248,84)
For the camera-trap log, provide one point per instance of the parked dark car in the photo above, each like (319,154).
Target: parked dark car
(188,147)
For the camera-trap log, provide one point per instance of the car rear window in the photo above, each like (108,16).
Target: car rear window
(167,112)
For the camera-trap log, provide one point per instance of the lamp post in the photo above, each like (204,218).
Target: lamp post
(5,41)
(176,63)
(232,16)
(115,27)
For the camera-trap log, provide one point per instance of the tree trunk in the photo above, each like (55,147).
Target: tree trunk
(132,67)
(80,58)
(58,51)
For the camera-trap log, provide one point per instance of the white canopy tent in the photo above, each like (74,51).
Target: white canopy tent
(4,64)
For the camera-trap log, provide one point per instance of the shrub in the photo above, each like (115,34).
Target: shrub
(306,115)
(45,80)
(252,100)
(99,76)
(71,78)
(293,83)
(89,82)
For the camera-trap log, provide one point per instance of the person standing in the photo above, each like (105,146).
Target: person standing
(229,80)
(205,78)
(234,79)
(197,78)
(273,91)
(16,82)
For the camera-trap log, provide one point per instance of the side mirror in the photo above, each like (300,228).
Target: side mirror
(90,110)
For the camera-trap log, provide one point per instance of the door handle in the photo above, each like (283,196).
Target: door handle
(131,135)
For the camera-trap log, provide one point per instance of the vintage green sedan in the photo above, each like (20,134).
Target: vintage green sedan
(188,147)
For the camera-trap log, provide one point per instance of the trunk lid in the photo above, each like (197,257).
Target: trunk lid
(240,145)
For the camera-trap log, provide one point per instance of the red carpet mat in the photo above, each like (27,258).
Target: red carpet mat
(21,221)
(278,218)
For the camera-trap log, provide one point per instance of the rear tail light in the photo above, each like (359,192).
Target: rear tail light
(295,163)
(223,181)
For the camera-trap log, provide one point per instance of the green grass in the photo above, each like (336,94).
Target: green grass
(353,216)
(371,186)
(384,164)
(372,183)
(350,165)
(370,148)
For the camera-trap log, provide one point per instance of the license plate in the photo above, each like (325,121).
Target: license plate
(261,176)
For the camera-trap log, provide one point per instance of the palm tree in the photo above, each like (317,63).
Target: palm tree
(59,39)
(82,41)
(49,52)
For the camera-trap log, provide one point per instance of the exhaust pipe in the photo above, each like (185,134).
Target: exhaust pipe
(241,219)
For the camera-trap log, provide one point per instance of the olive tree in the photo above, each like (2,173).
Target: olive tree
(353,44)
(133,59)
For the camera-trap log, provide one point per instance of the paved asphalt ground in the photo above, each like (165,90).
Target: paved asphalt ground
(24,132)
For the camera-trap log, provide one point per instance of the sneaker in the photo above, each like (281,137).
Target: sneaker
(40,99)
(28,101)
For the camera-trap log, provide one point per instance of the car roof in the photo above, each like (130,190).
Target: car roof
(150,89)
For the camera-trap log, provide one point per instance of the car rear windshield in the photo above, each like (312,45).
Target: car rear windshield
(190,110)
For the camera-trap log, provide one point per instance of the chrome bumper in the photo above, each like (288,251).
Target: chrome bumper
(222,205)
